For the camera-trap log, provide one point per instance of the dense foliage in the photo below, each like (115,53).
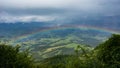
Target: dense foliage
(109,52)
(11,57)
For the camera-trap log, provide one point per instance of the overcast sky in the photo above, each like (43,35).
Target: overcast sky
(49,10)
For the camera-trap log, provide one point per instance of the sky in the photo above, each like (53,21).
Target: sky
(60,11)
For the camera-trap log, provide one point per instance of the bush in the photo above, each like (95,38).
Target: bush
(11,57)
(109,52)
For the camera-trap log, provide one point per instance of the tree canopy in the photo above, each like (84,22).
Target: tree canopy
(12,57)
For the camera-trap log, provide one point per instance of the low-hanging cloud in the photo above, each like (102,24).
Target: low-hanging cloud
(6,18)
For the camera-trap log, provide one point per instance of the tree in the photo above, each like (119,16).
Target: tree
(109,52)
(12,57)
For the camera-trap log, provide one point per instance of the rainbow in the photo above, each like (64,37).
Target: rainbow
(83,27)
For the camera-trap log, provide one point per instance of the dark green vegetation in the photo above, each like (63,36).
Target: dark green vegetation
(109,52)
(11,57)
(106,55)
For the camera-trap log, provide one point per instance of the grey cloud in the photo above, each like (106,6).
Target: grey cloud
(34,11)
(64,10)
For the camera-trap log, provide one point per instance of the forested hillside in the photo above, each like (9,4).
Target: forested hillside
(105,55)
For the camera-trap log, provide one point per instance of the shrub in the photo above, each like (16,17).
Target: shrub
(109,52)
(11,57)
